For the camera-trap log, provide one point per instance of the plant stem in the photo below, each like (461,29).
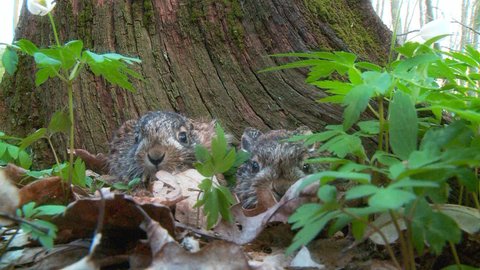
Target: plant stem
(57,40)
(72,130)
(53,151)
(381,120)
(403,244)
(455,254)
(379,231)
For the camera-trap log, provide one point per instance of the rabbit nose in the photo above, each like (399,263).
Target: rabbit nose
(156,158)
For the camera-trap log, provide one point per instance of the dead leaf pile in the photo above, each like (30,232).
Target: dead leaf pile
(144,230)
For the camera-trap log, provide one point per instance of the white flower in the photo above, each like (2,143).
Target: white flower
(40,7)
(435,28)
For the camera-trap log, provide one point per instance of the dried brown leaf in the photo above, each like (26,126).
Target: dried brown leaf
(48,190)
(185,185)
(96,163)
(217,255)
(122,218)
(245,229)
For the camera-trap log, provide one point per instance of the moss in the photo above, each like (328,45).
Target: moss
(347,25)
(234,16)
(148,15)
(84,24)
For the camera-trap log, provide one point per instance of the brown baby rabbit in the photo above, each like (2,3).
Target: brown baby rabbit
(157,141)
(274,163)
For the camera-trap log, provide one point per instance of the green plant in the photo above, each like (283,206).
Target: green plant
(222,159)
(65,62)
(38,229)
(10,152)
(129,186)
(426,124)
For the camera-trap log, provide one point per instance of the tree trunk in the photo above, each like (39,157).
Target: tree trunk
(200,58)
(396,19)
(429,11)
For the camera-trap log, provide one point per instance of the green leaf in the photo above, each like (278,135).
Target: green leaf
(44,60)
(356,102)
(116,56)
(24,159)
(120,186)
(381,82)
(390,198)
(227,162)
(50,210)
(13,151)
(310,230)
(371,127)
(134,182)
(328,176)
(75,48)
(403,125)
(360,191)
(407,182)
(43,74)
(369,66)
(37,135)
(28,210)
(201,153)
(60,122)
(27,46)
(219,145)
(79,173)
(405,65)
(358,229)
(459,267)
(10,60)
(327,193)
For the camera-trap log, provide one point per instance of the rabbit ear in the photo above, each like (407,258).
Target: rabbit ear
(249,136)
(304,130)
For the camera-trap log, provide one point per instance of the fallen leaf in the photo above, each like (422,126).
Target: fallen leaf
(217,255)
(39,258)
(304,259)
(15,174)
(50,190)
(87,262)
(184,185)
(122,218)
(265,200)
(245,229)
(96,163)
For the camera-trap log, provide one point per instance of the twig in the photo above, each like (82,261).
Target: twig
(21,220)
(203,233)
(4,248)
(466,26)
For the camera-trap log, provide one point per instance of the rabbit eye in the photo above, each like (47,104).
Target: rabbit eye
(255,167)
(306,167)
(182,137)
(137,139)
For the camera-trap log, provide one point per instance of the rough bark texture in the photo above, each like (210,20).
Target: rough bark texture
(200,58)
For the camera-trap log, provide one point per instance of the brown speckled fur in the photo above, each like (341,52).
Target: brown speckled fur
(156,134)
(280,163)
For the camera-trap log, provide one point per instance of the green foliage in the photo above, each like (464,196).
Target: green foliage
(10,152)
(419,153)
(221,159)
(128,186)
(38,229)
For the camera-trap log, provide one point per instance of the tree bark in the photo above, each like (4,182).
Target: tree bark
(200,58)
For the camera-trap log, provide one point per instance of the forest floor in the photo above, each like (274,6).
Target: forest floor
(161,229)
